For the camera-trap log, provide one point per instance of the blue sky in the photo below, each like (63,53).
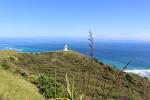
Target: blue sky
(107,19)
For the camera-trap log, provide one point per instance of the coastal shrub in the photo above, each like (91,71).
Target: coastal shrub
(129,78)
(33,79)
(6,64)
(11,59)
(22,72)
(46,86)
(98,61)
(101,63)
(95,59)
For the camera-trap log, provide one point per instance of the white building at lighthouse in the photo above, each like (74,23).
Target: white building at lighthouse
(66,47)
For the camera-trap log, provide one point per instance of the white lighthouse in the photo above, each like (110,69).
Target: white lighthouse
(66,47)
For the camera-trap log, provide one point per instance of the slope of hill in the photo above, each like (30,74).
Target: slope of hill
(102,78)
(15,88)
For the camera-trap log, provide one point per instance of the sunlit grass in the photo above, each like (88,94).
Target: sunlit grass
(15,88)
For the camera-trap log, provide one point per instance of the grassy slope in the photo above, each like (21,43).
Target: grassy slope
(130,87)
(15,88)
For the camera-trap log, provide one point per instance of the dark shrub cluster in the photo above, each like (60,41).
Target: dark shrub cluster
(46,86)
(6,64)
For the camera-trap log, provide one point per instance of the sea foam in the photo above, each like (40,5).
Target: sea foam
(12,48)
(143,73)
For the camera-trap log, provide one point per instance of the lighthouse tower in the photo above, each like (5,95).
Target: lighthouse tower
(66,47)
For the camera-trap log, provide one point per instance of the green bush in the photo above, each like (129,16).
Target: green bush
(46,86)
(6,64)
(95,59)
(22,72)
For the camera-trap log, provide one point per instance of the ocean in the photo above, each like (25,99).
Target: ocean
(113,53)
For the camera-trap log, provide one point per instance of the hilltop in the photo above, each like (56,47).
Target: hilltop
(30,66)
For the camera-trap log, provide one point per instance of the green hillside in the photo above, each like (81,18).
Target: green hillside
(31,66)
(15,88)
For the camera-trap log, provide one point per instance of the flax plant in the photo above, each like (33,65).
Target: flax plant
(91,53)
(86,80)
(70,87)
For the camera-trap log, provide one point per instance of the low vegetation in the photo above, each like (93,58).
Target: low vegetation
(13,87)
(46,86)
(48,73)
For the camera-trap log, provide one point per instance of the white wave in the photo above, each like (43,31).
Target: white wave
(143,73)
(11,48)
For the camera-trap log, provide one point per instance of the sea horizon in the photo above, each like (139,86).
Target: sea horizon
(115,53)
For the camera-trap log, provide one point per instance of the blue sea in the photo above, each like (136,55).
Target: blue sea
(110,52)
